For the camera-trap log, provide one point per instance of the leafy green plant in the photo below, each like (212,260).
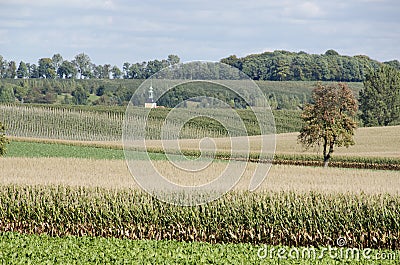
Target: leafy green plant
(39,249)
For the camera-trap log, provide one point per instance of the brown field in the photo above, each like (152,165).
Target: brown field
(114,174)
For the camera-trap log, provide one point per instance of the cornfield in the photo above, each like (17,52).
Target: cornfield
(97,124)
(309,219)
(81,125)
(56,123)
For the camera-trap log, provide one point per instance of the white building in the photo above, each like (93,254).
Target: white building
(150,104)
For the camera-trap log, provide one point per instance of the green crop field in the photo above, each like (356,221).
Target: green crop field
(44,249)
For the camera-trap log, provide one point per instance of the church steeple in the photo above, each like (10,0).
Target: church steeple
(150,100)
(151,92)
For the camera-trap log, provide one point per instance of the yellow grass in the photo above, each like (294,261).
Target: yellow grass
(114,174)
(370,141)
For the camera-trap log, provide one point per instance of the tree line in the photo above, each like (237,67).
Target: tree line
(300,66)
(274,66)
(81,67)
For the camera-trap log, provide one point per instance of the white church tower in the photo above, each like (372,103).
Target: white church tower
(149,104)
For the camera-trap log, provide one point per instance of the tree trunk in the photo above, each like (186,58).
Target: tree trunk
(326,162)
(328,156)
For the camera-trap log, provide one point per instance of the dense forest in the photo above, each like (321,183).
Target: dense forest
(292,66)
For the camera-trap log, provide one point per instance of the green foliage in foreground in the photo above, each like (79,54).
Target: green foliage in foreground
(38,249)
(309,219)
(31,149)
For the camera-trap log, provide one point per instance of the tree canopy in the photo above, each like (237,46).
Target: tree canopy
(292,66)
(330,120)
(82,67)
(276,66)
(380,98)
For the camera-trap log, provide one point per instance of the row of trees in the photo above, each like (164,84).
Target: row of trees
(276,66)
(286,66)
(81,67)
(49,91)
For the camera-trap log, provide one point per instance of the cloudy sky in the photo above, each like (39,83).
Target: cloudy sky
(116,31)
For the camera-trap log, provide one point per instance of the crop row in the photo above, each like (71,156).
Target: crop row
(309,219)
(380,163)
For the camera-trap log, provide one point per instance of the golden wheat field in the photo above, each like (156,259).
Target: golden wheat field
(115,174)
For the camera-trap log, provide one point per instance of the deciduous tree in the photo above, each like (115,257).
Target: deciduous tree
(56,60)
(380,98)
(83,63)
(6,93)
(116,72)
(67,70)
(80,96)
(22,71)
(11,70)
(46,69)
(330,120)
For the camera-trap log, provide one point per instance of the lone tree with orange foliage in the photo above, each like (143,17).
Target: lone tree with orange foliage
(330,120)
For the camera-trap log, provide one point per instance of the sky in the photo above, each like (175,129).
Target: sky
(118,31)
